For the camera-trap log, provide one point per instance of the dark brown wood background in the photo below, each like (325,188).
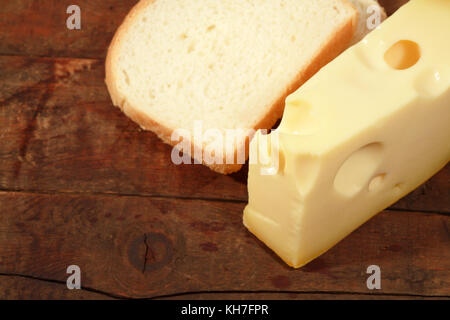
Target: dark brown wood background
(81,184)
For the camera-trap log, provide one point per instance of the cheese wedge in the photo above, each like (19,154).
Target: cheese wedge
(369,128)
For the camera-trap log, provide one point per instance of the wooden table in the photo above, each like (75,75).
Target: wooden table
(80,184)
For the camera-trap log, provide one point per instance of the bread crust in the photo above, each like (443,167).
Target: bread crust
(336,44)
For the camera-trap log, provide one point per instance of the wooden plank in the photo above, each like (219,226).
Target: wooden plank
(38,28)
(295,296)
(144,247)
(390,6)
(16,288)
(60,133)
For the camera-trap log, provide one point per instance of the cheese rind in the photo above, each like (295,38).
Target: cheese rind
(366,130)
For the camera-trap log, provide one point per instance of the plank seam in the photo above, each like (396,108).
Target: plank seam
(172,197)
(37,57)
(173,295)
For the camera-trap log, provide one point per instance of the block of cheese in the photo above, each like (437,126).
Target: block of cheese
(369,128)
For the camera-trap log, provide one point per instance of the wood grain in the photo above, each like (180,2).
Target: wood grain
(19,287)
(82,184)
(38,28)
(143,248)
(390,6)
(294,296)
(61,133)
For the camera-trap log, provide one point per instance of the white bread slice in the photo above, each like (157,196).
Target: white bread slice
(228,63)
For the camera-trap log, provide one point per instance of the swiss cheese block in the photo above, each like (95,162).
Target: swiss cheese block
(369,128)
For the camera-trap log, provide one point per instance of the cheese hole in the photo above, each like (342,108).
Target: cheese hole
(402,55)
(377,182)
(299,118)
(358,169)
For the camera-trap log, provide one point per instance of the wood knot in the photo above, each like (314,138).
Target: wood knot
(150,252)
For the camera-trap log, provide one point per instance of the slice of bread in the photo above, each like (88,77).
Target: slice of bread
(227,63)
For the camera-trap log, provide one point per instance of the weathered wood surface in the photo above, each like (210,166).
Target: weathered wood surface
(37,28)
(20,287)
(81,184)
(150,247)
(60,133)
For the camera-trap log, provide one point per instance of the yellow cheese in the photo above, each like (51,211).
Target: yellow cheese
(366,130)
